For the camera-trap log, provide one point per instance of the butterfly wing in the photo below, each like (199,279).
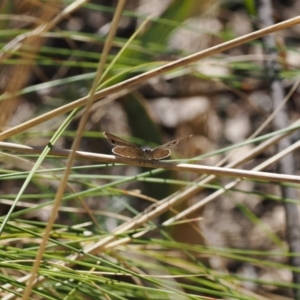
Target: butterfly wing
(116,141)
(159,153)
(172,143)
(129,152)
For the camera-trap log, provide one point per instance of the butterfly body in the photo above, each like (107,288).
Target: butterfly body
(129,150)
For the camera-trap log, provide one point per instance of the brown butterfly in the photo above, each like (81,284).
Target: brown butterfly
(129,150)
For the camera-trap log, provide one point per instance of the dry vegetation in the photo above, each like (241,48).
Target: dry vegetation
(218,221)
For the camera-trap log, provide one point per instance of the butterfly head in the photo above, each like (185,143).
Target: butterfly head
(146,153)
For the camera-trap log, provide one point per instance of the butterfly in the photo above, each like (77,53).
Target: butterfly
(129,150)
